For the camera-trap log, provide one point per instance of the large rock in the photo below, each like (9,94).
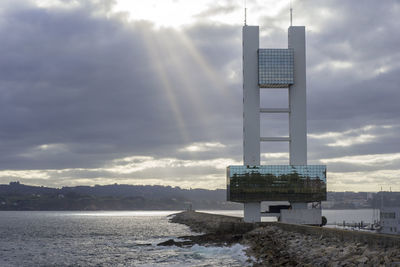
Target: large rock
(171,242)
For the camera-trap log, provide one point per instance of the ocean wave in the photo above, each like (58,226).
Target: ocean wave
(237,252)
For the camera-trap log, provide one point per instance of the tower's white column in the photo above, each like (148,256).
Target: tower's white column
(251,111)
(251,97)
(298,106)
(297,98)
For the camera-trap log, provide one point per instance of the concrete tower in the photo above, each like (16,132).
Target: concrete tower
(297,182)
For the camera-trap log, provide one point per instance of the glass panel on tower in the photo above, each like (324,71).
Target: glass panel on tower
(275,68)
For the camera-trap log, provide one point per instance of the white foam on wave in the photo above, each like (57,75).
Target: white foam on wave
(236,252)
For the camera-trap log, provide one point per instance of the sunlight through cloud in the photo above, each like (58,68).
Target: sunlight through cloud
(368,160)
(134,170)
(202,147)
(364,181)
(363,135)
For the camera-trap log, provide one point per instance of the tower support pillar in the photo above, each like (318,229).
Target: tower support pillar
(297,98)
(251,111)
(252,212)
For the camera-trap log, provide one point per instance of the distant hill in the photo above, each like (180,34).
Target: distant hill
(16,196)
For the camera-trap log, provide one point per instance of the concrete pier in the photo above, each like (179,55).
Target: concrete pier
(276,244)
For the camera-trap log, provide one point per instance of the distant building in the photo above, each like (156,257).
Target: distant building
(390,220)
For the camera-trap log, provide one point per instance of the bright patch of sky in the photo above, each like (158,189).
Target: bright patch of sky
(134,170)
(178,13)
(350,137)
(202,147)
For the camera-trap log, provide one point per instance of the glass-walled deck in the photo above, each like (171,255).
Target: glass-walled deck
(300,183)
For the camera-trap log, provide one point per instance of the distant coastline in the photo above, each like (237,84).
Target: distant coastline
(16,196)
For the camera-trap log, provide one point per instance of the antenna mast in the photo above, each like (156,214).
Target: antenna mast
(245,13)
(291,11)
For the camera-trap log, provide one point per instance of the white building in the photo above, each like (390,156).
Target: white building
(297,182)
(390,220)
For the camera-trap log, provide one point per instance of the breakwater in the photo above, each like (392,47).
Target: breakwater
(277,244)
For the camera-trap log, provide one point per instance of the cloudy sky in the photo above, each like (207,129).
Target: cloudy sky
(149,92)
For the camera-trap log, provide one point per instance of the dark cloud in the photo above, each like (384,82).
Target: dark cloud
(81,87)
(92,83)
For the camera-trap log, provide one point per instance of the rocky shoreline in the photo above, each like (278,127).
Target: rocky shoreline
(269,244)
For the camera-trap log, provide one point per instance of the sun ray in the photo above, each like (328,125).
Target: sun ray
(156,59)
(192,91)
(210,72)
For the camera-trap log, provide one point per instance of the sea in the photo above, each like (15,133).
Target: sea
(117,238)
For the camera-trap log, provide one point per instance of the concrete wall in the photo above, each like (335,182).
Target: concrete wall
(302,216)
(371,239)
(206,222)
